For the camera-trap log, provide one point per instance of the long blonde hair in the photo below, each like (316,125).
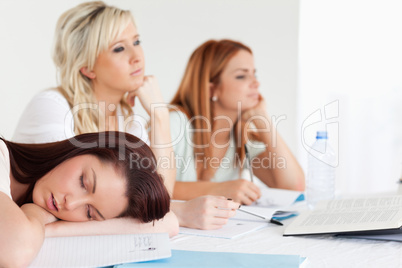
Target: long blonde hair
(193,96)
(82,33)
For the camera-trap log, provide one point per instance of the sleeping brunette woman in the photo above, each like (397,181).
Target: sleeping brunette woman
(63,188)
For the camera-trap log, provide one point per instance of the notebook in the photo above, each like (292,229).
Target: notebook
(102,250)
(200,259)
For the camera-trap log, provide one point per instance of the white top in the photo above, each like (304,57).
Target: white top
(48,118)
(4,169)
(181,132)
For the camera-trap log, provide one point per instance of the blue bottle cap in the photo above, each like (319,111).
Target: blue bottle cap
(322,135)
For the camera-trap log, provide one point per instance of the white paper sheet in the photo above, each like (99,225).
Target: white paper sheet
(241,224)
(271,197)
(266,213)
(233,229)
(103,250)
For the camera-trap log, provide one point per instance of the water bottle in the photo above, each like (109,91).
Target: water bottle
(320,183)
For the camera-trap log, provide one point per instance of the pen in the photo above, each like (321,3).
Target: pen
(271,220)
(249,163)
(251,213)
(276,222)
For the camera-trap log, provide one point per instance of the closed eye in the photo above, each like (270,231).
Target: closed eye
(82,182)
(88,208)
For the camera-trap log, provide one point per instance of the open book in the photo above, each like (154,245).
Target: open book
(372,215)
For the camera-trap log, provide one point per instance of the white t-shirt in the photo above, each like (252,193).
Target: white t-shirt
(182,139)
(4,169)
(48,118)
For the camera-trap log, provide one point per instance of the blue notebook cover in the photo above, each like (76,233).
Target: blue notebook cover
(184,258)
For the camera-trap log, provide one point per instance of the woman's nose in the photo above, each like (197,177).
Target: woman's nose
(74,202)
(135,55)
(255,83)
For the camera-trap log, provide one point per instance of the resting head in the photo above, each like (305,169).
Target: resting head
(93,176)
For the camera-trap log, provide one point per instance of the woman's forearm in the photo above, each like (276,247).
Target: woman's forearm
(161,144)
(21,232)
(168,224)
(277,166)
(189,190)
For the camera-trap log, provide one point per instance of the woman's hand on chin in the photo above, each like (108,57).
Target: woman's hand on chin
(148,94)
(259,110)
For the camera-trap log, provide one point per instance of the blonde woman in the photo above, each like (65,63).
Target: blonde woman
(101,69)
(220,109)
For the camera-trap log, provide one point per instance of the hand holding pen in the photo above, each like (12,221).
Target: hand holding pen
(261,217)
(205,212)
(258,216)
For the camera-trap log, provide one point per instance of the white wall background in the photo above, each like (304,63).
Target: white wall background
(170,31)
(351,53)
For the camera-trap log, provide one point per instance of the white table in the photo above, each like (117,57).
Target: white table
(321,251)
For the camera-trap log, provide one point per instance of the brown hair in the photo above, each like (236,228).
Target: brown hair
(148,198)
(193,96)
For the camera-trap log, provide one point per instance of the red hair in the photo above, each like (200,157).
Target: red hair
(193,96)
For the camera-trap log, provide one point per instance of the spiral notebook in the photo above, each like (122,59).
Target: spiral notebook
(102,250)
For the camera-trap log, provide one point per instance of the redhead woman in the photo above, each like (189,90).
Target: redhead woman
(217,113)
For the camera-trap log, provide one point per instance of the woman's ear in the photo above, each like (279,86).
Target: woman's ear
(212,92)
(89,74)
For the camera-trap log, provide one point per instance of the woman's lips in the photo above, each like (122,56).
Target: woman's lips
(137,72)
(254,96)
(51,203)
